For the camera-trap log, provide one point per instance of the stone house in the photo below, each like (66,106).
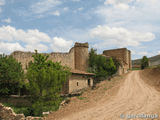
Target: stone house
(78,81)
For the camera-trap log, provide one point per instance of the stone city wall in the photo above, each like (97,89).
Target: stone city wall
(123,55)
(65,58)
(76,58)
(119,54)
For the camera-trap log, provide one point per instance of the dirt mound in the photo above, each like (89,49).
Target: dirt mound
(152,77)
(106,89)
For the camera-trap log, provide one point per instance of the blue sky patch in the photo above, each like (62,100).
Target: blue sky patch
(55,25)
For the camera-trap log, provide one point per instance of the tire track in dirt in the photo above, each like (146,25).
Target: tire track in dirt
(134,97)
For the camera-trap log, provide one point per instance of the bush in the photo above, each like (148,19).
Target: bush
(144,62)
(11,76)
(20,109)
(100,65)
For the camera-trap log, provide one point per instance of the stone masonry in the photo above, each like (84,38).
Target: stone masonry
(76,58)
(124,57)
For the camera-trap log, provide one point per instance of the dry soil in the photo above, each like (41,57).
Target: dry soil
(131,96)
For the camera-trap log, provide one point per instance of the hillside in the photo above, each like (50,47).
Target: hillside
(155,60)
(152,77)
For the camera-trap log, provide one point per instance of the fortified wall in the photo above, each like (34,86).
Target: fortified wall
(76,58)
(124,57)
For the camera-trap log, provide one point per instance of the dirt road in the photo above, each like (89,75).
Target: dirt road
(134,97)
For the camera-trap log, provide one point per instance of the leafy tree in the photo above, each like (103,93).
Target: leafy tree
(110,67)
(92,60)
(100,65)
(46,79)
(144,62)
(11,76)
(116,62)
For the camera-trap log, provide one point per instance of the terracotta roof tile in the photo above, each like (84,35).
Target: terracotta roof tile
(81,72)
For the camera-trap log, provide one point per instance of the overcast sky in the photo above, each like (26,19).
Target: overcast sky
(55,25)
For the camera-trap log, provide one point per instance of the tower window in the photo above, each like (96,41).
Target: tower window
(77,83)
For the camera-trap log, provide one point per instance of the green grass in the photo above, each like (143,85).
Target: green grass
(136,68)
(105,88)
(19,109)
(81,98)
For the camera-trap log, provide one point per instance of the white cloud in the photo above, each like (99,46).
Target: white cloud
(8,20)
(121,4)
(65,8)
(114,2)
(130,12)
(60,44)
(40,47)
(56,13)
(158,52)
(143,53)
(2,2)
(76,0)
(12,39)
(44,6)
(8,33)
(133,52)
(80,9)
(9,47)
(119,37)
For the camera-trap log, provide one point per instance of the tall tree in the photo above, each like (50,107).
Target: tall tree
(46,79)
(100,65)
(144,62)
(11,76)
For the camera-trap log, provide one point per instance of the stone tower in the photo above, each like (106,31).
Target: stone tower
(81,56)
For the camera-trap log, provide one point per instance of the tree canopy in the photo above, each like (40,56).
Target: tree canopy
(11,76)
(46,79)
(144,62)
(100,65)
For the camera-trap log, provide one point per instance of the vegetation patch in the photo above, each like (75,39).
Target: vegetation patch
(43,83)
(144,62)
(11,76)
(136,69)
(102,66)
(19,109)
(81,98)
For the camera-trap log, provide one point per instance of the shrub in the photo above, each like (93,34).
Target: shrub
(144,62)
(100,65)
